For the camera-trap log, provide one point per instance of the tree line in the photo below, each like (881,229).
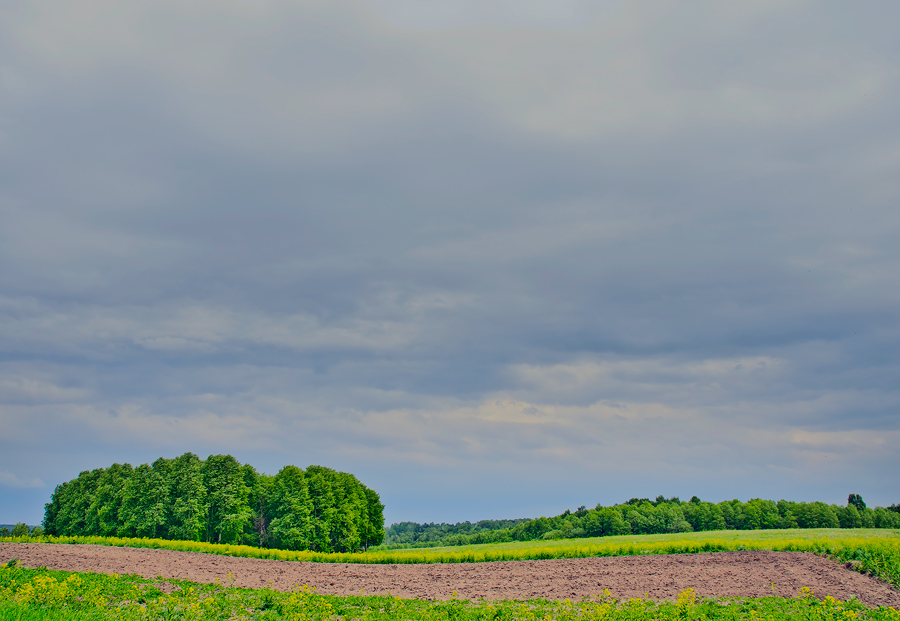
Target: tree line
(220,500)
(642,516)
(20,530)
(432,533)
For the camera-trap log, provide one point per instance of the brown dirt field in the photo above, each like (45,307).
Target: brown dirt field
(721,574)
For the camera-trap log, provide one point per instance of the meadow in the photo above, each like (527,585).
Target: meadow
(844,544)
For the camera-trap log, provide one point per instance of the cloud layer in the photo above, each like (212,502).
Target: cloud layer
(497,261)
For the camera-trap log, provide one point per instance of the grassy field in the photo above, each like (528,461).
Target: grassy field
(37,594)
(752,537)
(838,542)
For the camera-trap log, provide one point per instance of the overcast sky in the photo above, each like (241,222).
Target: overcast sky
(496,258)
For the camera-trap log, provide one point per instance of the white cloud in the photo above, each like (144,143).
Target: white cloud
(668,379)
(9,479)
(17,389)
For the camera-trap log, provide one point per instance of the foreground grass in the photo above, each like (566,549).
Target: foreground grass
(35,594)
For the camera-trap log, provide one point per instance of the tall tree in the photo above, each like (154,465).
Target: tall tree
(321,492)
(228,498)
(291,509)
(145,502)
(261,489)
(856,501)
(350,514)
(76,498)
(187,497)
(373,530)
(103,513)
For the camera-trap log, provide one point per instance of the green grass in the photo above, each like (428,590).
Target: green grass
(731,536)
(13,611)
(32,594)
(843,544)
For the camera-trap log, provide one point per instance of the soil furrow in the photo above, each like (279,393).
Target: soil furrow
(749,573)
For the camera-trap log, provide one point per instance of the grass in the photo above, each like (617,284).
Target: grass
(13,611)
(842,543)
(33,594)
(740,537)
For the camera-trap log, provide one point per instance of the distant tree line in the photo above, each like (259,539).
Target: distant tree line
(220,500)
(439,534)
(642,516)
(20,530)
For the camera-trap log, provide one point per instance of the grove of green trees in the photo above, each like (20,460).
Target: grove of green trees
(641,516)
(220,500)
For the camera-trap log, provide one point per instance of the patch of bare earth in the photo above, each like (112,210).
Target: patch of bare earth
(721,574)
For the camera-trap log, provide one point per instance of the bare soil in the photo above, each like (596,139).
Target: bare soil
(662,577)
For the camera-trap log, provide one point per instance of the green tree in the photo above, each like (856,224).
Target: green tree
(856,501)
(373,529)
(69,514)
(703,516)
(260,486)
(885,518)
(228,496)
(187,497)
(729,514)
(605,521)
(52,509)
(145,502)
(816,515)
(535,529)
(849,517)
(291,527)
(20,530)
(350,516)
(321,493)
(645,518)
(759,514)
(218,500)
(867,516)
(103,513)
(672,518)
(4,532)
(37,531)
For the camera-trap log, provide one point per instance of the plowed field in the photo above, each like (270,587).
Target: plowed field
(722,574)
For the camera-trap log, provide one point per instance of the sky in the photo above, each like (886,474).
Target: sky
(498,259)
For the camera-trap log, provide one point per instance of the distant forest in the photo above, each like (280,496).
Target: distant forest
(220,500)
(642,516)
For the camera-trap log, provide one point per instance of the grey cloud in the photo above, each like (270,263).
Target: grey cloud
(343,230)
